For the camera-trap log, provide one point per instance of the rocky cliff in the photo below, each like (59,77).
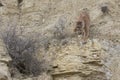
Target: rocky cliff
(67,57)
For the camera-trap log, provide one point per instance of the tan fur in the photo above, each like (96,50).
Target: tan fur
(82,25)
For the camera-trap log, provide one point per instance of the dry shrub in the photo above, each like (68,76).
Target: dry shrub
(22,49)
(60,32)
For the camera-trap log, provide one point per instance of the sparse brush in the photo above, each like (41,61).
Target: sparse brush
(22,49)
(60,32)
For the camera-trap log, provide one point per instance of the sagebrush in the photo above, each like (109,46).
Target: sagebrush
(22,49)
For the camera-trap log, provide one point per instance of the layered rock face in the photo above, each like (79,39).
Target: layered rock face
(4,59)
(75,62)
(96,60)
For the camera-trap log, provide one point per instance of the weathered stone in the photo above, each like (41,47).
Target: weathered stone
(77,60)
(4,72)
(3,77)
(96,45)
(42,15)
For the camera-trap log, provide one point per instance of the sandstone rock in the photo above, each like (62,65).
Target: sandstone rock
(45,76)
(96,45)
(84,60)
(4,60)
(3,77)
(41,15)
(88,44)
(4,72)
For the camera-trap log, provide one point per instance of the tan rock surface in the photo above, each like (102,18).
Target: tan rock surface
(79,61)
(43,16)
